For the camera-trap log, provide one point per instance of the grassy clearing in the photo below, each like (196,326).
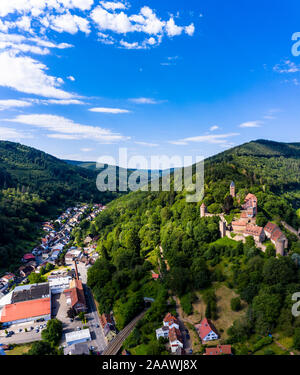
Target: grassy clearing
(19,349)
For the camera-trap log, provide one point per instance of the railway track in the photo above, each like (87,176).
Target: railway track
(116,344)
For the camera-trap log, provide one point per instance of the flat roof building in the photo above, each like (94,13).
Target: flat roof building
(77,337)
(30,292)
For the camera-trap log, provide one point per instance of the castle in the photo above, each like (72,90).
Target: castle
(246,225)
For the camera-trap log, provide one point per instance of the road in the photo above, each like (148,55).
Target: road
(98,339)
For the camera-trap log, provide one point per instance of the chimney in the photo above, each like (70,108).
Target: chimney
(76,270)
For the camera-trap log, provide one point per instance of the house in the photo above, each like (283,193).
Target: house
(26,271)
(256,232)
(109,332)
(277,237)
(77,337)
(170,321)
(175,339)
(105,319)
(206,331)
(219,350)
(250,205)
(155,276)
(28,258)
(9,277)
(77,349)
(75,296)
(162,332)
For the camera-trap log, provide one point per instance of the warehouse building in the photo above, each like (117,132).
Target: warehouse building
(77,337)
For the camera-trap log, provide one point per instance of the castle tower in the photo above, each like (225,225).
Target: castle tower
(232,189)
(203,210)
(222,226)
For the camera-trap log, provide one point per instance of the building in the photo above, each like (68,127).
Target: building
(28,258)
(250,205)
(109,332)
(105,319)
(203,210)
(162,332)
(58,284)
(72,255)
(77,337)
(207,331)
(175,339)
(26,271)
(277,237)
(77,349)
(26,311)
(30,292)
(170,321)
(7,278)
(75,296)
(256,232)
(232,189)
(219,350)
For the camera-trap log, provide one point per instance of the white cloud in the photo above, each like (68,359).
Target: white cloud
(213,128)
(116,22)
(71,78)
(146,144)
(68,129)
(37,7)
(9,134)
(69,23)
(251,124)
(63,101)
(287,67)
(86,149)
(11,103)
(178,143)
(144,101)
(27,75)
(190,30)
(109,110)
(172,29)
(212,138)
(110,5)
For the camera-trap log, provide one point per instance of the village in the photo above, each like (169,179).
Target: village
(26,308)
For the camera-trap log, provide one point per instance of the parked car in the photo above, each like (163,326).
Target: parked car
(20,330)
(78,328)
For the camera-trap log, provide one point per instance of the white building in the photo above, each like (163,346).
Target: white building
(77,337)
(59,284)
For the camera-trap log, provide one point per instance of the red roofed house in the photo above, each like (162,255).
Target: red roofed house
(257,232)
(277,237)
(206,331)
(170,321)
(28,257)
(175,339)
(219,350)
(155,276)
(7,278)
(26,311)
(75,296)
(104,319)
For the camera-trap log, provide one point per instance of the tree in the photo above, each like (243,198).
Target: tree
(228,204)
(52,334)
(42,348)
(36,278)
(236,304)
(296,339)
(270,251)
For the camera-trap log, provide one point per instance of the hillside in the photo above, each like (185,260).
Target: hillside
(35,186)
(134,227)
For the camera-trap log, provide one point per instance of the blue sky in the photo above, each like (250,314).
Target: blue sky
(81,78)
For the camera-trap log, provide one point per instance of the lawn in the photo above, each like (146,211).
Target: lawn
(19,349)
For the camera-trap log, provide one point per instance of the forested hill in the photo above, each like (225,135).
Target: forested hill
(134,226)
(269,164)
(35,186)
(52,179)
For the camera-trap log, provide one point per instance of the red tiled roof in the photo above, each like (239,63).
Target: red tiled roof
(170,319)
(175,334)
(76,293)
(239,223)
(204,328)
(270,227)
(254,230)
(25,310)
(276,235)
(28,256)
(219,350)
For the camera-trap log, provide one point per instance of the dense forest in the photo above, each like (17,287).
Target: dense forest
(35,186)
(134,227)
